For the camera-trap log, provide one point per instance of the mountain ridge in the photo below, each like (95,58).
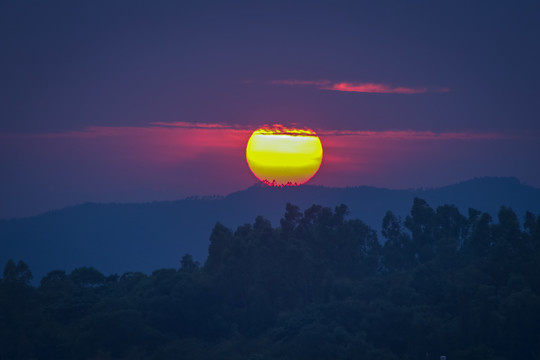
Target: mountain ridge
(120,237)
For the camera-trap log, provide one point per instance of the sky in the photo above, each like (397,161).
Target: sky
(128,101)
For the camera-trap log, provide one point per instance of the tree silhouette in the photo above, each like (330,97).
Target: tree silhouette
(319,286)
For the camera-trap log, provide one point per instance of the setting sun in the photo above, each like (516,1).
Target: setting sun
(280,156)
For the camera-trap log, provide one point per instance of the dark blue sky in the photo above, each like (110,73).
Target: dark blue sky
(68,66)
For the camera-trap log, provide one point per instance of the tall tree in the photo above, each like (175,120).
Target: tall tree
(398,251)
(422,224)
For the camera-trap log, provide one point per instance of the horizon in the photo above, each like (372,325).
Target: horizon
(152,234)
(261,185)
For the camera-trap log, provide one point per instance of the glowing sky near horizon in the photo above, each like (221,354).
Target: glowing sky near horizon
(123,101)
(169,162)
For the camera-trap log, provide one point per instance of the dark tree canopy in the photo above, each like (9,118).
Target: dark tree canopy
(319,286)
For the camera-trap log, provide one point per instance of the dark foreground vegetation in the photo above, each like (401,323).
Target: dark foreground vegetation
(319,286)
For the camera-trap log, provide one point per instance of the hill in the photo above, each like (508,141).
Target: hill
(116,238)
(316,286)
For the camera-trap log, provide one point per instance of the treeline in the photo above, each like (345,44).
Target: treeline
(319,286)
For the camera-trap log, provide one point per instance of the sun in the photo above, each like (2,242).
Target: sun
(281,156)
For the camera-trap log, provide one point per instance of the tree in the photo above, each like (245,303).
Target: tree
(508,231)
(291,218)
(397,251)
(451,231)
(221,240)
(480,239)
(421,223)
(53,278)
(532,225)
(17,320)
(17,273)
(188,265)
(86,277)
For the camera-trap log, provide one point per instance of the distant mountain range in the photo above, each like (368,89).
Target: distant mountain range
(115,238)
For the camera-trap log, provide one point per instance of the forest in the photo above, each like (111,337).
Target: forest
(318,286)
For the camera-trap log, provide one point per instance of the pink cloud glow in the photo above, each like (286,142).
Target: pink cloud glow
(174,160)
(373,88)
(181,159)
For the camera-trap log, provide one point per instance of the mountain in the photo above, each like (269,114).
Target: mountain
(116,238)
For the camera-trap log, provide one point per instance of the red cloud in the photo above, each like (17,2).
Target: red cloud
(373,88)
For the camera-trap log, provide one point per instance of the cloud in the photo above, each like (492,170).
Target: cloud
(188,125)
(204,134)
(372,88)
(318,83)
(416,135)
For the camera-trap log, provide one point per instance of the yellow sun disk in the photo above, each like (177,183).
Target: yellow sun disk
(283,157)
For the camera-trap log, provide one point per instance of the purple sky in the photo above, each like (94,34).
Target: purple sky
(141,101)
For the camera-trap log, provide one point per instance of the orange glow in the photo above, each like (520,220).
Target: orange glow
(280,156)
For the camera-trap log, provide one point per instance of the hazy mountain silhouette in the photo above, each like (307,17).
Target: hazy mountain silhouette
(116,238)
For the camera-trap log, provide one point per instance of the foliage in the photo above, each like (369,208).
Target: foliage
(319,286)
